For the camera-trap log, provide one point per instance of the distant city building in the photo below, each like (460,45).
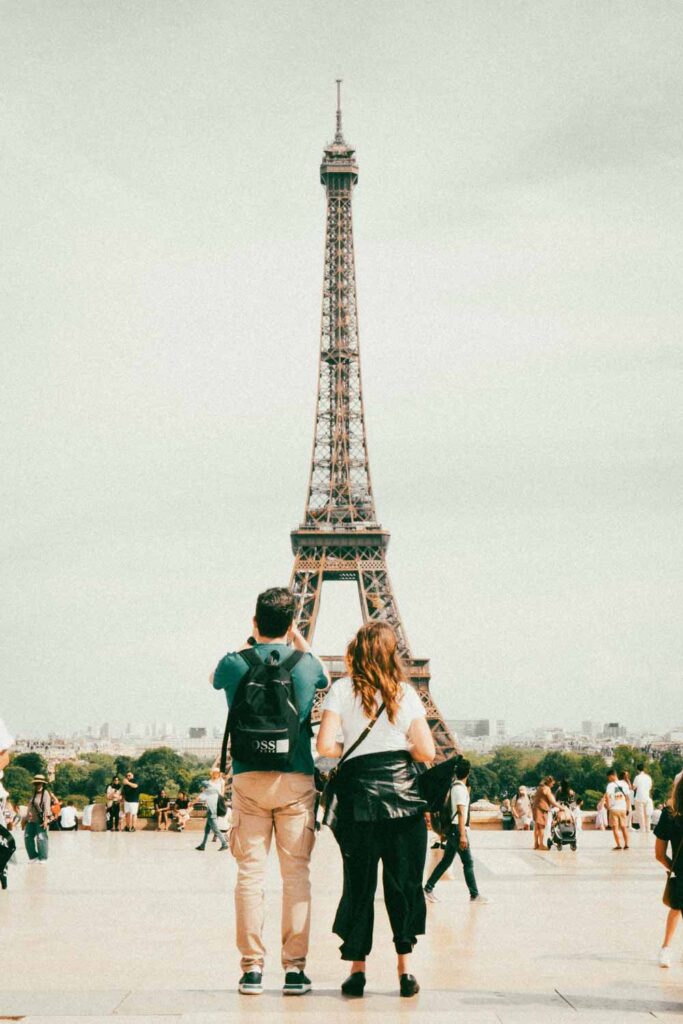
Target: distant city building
(614,731)
(104,731)
(478,733)
(197,732)
(591,729)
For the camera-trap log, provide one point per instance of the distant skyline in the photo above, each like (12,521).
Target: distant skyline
(518,231)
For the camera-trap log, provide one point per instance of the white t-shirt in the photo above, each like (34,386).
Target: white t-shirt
(383,736)
(642,785)
(67,819)
(86,817)
(616,795)
(459,796)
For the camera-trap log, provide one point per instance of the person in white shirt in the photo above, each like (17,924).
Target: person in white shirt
(68,819)
(618,802)
(458,840)
(380,810)
(642,788)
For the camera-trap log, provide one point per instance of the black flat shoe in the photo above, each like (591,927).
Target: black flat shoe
(409,985)
(354,984)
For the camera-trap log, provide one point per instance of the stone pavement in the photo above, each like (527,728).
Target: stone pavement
(138,929)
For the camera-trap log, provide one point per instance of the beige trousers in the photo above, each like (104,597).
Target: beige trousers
(263,804)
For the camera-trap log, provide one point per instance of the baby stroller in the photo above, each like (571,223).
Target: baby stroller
(562,828)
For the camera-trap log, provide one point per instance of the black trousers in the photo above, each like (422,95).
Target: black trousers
(114,816)
(401,845)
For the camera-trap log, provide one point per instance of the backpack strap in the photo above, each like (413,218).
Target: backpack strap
(253,661)
(292,661)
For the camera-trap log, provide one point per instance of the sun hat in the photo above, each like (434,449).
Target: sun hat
(39,778)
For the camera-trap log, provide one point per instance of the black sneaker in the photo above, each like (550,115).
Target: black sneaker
(296,984)
(409,985)
(251,983)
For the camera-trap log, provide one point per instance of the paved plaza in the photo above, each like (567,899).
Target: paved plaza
(140,929)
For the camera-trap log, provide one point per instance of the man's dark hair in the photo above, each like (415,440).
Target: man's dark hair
(611,772)
(275,610)
(462,768)
(640,767)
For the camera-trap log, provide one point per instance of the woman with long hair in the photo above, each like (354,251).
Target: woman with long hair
(38,817)
(669,830)
(380,812)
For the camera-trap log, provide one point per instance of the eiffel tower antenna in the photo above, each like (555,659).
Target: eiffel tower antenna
(340,537)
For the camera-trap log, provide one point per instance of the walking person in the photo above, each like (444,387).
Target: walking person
(217,780)
(618,803)
(543,800)
(210,797)
(380,810)
(642,791)
(669,832)
(521,810)
(114,799)
(7,842)
(273,794)
(38,816)
(458,838)
(131,802)
(625,778)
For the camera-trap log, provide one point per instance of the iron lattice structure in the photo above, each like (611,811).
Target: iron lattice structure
(340,537)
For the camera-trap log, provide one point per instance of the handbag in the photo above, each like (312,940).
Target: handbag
(672,896)
(329,799)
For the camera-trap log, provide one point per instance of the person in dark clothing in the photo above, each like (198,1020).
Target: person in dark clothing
(457,840)
(380,811)
(114,800)
(669,853)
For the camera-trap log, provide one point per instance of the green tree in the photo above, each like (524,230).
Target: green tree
(71,778)
(32,762)
(17,782)
(484,783)
(154,767)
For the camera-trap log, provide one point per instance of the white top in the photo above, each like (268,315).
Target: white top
(616,795)
(642,785)
(384,736)
(86,817)
(67,818)
(459,796)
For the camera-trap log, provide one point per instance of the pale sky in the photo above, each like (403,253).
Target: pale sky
(519,230)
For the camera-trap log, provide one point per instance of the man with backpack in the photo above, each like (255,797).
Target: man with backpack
(214,802)
(270,686)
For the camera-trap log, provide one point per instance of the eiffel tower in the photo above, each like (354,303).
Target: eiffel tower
(340,537)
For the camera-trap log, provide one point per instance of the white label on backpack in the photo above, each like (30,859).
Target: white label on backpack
(282,746)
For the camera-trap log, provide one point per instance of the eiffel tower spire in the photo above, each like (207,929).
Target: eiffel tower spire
(340,537)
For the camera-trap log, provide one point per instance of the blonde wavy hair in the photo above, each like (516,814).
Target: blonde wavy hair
(374,666)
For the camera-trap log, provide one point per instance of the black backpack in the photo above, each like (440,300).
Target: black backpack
(435,786)
(263,723)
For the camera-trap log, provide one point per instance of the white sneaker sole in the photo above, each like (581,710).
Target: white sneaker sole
(300,990)
(251,990)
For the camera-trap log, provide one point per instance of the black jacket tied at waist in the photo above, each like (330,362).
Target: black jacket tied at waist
(374,787)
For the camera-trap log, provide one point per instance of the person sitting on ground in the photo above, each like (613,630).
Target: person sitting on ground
(458,837)
(181,810)
(618,803)
(669,831)
(68,819)
(162,806)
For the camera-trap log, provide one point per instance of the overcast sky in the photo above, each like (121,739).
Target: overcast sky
(519,228)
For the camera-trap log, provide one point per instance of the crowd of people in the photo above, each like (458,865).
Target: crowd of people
(375,801)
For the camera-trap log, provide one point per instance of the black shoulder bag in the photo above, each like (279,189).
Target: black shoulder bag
(329,799)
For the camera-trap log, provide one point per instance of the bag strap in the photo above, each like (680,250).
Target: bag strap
(363,736)
(292,661)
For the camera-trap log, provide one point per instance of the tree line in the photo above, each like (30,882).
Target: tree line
(497,775)
(494,776)
(87,779)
